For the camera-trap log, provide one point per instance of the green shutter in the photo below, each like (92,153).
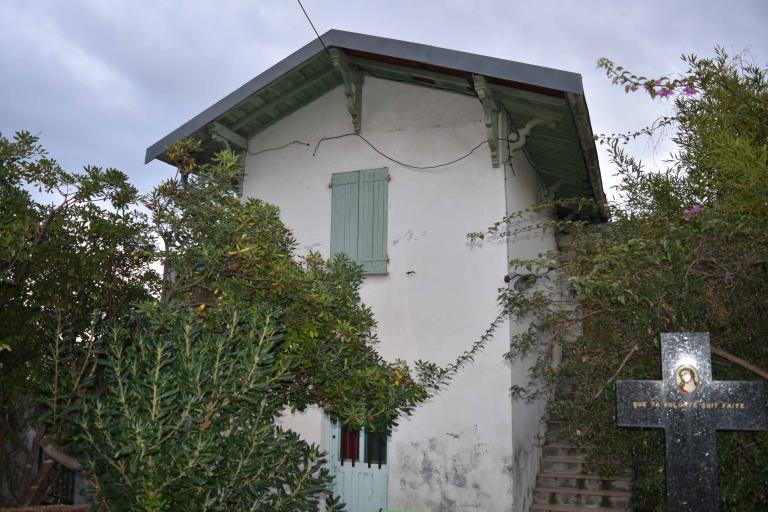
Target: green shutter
(344,213)
(372,234)
(359,218)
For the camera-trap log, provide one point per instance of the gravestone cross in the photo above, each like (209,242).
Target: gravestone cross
(690,406)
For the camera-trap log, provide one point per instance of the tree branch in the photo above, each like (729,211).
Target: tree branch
(616,373)
(741,362)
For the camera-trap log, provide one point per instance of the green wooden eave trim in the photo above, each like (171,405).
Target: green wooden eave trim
(580,115)
(490,116)
(422,77)
(221,132)
(383,49)
(565,156)
(282,99)
(353,85)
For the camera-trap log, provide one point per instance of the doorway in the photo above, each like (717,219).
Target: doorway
(358,461)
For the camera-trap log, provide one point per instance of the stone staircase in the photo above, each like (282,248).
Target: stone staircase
(564,486)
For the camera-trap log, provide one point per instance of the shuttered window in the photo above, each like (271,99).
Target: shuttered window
(349,446)
(374,447)
(359,218)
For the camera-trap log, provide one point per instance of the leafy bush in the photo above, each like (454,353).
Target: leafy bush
(686,250)
(74,252)
(182,414)
(168,389)
(187,418)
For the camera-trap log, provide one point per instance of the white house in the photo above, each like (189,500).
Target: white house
(353,143)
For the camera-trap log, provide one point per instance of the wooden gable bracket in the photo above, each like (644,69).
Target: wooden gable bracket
(353,85)
(547,192)
(524,132)
(228,137)
(490,114)
(235,143)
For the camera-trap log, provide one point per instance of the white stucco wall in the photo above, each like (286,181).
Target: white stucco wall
(523,189)
(456,452)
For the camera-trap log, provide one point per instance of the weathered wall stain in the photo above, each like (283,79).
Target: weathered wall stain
(455,472)
(409,236)
(446,301)
(317,247)
(524,465)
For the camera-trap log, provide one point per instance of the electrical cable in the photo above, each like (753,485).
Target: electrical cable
(254,153)
(512,128)
(410,166)
(313,26)
(378,151)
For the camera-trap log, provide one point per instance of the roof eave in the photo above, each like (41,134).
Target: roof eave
(513,72)
(233,99)
(580,115)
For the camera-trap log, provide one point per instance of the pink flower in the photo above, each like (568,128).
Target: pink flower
(664,92)
(688,214)
(689,90)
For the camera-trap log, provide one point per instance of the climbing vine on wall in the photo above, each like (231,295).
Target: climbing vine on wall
(686,249)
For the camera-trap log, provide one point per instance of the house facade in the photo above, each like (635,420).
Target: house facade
(391,152)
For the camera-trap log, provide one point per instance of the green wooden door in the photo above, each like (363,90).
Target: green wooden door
(358,461)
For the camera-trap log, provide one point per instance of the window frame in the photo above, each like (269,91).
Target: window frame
(360,218)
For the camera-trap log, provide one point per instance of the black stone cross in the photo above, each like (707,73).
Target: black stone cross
(690,406)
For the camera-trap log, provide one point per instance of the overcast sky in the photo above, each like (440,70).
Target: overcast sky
(100,80)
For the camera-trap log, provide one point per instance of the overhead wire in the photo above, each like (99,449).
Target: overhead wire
(382,153)
(510,129)
(254,153)
(369,143)
(313,26)
(377,150)
(391,159)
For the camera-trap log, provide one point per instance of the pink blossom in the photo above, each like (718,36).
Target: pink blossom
(664,92)
(688,214)
(689,90)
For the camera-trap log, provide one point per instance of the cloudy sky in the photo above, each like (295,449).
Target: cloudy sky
(100,80)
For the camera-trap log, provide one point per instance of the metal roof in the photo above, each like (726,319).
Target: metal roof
(566,157)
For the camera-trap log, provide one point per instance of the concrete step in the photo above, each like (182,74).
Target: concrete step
(566,458)
(565,386)
(574,464)
(560,449)
(555,437)
(553,434)
(622,478)
(555,424)
(584,492)
(568,480)
(585,497)
(551,507)
(562,484)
